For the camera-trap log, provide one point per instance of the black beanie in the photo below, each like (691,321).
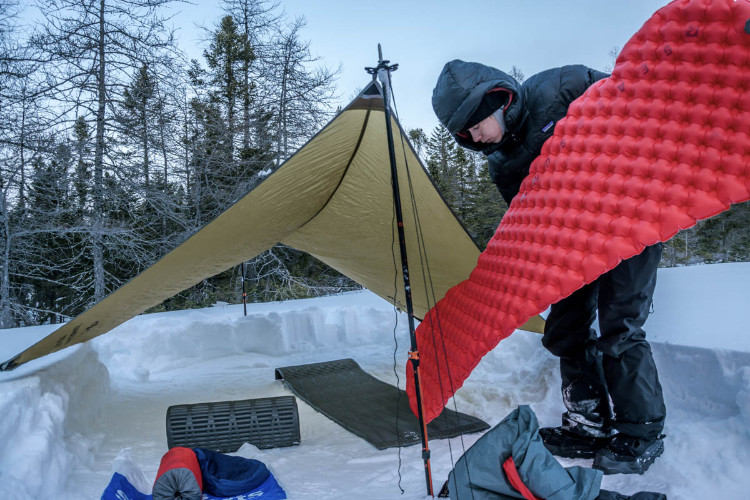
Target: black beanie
(491,102)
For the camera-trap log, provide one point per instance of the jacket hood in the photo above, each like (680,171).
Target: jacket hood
(459,91)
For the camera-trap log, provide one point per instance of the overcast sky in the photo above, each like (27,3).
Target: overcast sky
(422,35)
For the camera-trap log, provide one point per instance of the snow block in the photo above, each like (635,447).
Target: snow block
(661,143)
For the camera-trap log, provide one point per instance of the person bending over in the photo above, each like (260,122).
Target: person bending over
(610,385)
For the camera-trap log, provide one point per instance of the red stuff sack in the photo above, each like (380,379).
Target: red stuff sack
(179,476)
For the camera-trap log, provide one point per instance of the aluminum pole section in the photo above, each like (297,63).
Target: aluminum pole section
(383,71)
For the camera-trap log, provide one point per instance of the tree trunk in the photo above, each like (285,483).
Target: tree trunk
(97,242)
(144,119)
(6,317)
(163,142)
(187,151)
(246,90)
(283,139)
(22,157)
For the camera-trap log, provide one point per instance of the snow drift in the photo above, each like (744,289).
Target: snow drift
(70,418)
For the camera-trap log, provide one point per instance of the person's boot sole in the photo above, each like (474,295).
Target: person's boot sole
(611,463)
(572,453)
(571,448)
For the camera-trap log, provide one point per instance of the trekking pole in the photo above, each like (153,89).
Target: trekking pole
(383,71)
(244,293)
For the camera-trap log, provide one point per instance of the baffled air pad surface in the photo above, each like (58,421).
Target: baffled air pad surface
(368,407)
(661,143)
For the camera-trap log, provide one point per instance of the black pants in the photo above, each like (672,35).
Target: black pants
(618,367)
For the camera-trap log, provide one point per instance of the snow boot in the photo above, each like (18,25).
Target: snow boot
(564,443)
(628,454)
(641,495)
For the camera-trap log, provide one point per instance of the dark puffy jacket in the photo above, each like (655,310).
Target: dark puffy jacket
(530,114)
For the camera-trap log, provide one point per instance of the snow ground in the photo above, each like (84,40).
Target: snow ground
(71,417)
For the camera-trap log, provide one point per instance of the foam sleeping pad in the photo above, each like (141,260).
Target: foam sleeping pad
(661,143)
(368,407)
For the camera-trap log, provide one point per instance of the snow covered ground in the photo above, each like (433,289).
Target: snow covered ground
(70,418)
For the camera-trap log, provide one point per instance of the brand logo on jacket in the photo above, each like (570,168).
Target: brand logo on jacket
(548,126)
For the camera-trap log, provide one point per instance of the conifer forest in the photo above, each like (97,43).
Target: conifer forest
(115,147)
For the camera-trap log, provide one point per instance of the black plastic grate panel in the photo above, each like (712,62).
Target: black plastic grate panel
(225,426)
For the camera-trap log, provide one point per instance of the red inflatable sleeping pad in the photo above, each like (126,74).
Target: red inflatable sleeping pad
(661,143)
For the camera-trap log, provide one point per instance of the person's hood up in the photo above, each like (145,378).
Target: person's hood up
(459,91)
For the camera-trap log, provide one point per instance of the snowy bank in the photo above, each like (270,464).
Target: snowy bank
(69,418)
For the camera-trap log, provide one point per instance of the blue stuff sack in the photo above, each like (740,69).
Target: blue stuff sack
(226,476)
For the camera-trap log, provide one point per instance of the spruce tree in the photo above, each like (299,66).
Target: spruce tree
(486,206)
(418,139)
(441,151)
(463,180)
(137,116)
(51,261)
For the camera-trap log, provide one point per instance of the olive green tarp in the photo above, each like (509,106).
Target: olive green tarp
(333,199)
